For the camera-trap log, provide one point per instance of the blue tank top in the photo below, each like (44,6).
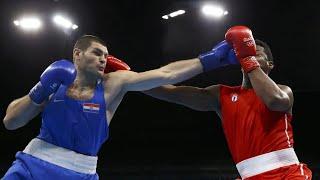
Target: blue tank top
(78,125)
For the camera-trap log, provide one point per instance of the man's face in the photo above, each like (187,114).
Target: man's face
(262,58)
(93,59)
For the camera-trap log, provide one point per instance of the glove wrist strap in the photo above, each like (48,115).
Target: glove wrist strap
(249,63)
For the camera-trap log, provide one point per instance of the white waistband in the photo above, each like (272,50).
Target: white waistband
(62,157)
(267,162)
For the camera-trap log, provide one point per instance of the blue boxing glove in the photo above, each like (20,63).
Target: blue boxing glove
(221,55)
(59,72)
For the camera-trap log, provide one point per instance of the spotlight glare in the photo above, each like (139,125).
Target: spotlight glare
(16,22)
(28,23)
(62,21)
(165,17)
(173,14)
(177,13)
(74,26)
(214,11)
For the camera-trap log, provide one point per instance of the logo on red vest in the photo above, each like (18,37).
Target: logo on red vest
(91,107)
(234,97)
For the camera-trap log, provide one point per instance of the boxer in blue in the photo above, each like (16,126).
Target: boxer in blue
(78,101)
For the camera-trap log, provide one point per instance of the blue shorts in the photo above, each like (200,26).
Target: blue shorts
(27,167)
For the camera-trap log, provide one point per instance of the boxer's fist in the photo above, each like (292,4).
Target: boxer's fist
(59,72)
(241,39)
(221,55)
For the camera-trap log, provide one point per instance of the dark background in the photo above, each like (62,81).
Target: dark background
(151,139)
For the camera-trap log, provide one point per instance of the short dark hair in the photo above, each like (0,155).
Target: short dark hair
(85,41)
(266,47)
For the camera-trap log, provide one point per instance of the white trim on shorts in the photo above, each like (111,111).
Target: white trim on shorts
(267,162)
(61,156)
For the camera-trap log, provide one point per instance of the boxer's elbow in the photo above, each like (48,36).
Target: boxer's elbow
(13,122)
(279,103)
(20,112)
(9,123)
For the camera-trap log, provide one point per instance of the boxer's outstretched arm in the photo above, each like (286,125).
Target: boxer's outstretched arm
(221,55)
(170,74)
(200,99)
(20,112)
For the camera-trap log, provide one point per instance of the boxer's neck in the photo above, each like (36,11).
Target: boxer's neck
(84,82)
(82,88)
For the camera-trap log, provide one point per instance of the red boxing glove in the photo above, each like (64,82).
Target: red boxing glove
(114,64)
(241,39)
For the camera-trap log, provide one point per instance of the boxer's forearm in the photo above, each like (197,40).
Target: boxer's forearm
(183,70)
(270,93)
(20,112)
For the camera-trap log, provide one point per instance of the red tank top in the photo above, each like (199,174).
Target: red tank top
(250,128)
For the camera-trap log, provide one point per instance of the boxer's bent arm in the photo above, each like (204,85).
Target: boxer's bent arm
(200,99)
(274,97)
(170,74)
(20,112)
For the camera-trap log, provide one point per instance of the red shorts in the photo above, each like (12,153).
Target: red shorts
(292,172)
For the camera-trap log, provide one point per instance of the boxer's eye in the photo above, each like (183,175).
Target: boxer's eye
(97,53)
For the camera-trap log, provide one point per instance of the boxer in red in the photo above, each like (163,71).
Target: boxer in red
(256,116)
